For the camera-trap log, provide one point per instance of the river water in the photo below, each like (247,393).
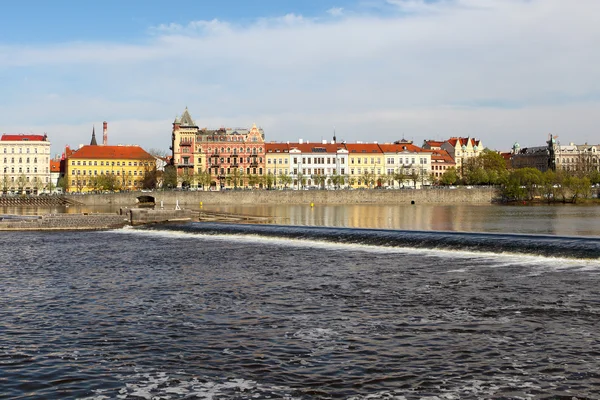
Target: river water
(357,302)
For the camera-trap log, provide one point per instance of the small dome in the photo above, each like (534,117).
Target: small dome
(516,145)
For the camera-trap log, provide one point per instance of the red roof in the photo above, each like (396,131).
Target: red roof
(21,137)
(277,147)
(112,152)
(464,141)
(316,147)
(433,143)
(363,148)
(441,156)
(399,148)
(54,165)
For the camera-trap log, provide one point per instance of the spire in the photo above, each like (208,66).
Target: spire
(93,142)
(186,119)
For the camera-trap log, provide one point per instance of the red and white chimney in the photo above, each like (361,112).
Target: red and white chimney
(105,133)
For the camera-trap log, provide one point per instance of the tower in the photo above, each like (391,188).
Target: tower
(93,142)
(105,133)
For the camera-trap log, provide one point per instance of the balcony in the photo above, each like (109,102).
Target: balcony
(188,164)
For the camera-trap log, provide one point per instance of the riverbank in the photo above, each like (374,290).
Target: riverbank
(91,221)
(192,199)
(63,222)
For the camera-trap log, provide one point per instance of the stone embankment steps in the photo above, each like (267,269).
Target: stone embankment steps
(36,201)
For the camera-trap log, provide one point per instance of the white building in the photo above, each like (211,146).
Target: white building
(24,163)
(409,161)
(310,162)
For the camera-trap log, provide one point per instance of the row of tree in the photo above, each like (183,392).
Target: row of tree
(489,168)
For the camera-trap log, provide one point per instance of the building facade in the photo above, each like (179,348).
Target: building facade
(25,163)
(93,167)
(440,163)
(318,165)
(461,149)
(232,157)
(366,165)
(277,158)
(406,165)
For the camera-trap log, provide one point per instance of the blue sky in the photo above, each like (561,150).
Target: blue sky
(499,70)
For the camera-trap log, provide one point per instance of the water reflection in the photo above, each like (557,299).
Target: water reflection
(553,220)
(565,220)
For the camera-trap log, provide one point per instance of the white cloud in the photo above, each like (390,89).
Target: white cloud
(502,70)
(336,11)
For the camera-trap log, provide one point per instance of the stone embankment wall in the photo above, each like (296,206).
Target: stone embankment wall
(34,201)
(237,197)
(141,216)
(65,222)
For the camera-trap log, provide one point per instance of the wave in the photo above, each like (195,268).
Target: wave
(586,248)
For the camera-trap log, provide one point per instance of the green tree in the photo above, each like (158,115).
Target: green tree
(5,183)
(253,180)
(150,179)
(269,180)
(337,180)
(62,184)
(319,180)
(449,177)
(203,179)
(399,176)
(580,187)
(368,178)
(285,180)
(170,177)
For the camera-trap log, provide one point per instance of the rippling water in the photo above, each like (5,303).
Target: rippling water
(253,312)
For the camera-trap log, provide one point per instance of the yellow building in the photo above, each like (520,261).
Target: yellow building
(99,168)
(366,165)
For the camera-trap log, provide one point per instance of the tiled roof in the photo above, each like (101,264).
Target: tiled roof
(54,165)
(112,152)
(464,141)
(399,148)
(441,156)
(363,148)
(24,138)
(316,147)
(277,147)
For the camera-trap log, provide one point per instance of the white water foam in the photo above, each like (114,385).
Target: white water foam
(160,385)
(494,260)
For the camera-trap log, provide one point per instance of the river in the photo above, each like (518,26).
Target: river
(348,302)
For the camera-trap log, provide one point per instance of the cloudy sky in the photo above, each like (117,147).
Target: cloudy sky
(373,70)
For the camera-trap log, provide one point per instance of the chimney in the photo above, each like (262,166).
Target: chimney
(299,141)
(104,133)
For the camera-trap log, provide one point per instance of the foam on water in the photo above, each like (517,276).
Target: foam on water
(491,259)
(159,385)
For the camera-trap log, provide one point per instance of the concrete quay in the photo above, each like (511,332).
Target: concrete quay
(63,222)
(91,221)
